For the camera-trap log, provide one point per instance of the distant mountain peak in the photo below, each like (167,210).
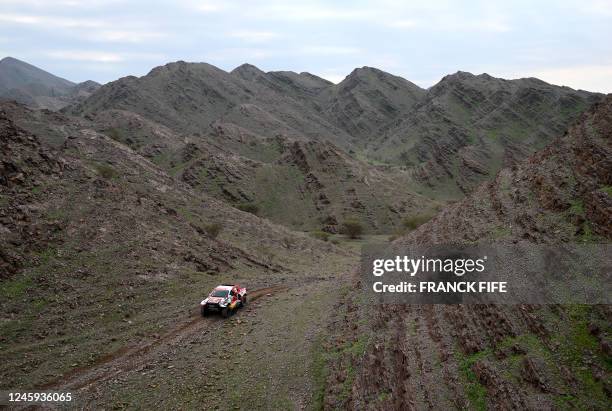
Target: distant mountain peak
(459,75)
(247,66)
(89,83)
(9,59)
(87,87)
(373,77)
(365,70)
(368,68)
(247,71)
(15,73)
(30,85)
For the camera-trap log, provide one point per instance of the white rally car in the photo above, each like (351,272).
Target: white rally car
(224,299)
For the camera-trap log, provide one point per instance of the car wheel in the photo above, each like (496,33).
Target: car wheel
(204,311)
(244,300)
(225,312)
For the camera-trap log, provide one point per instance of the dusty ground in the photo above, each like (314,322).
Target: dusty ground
(260,358)
(104,259)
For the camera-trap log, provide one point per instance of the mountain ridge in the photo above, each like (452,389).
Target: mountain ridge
(440,143)
(30,85)
(434,144)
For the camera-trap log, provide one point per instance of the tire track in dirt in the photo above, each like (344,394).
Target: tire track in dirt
(129,358)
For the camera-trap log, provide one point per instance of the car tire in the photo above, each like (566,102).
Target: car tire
(204,312)
(226,312)
(244,301)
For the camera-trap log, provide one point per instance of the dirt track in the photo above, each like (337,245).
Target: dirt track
(129,358)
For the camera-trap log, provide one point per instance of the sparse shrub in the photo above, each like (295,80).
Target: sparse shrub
(320,235)
(404,158)
(577,208)
(413,222)
(352,228)
(213,229)
(115,134)
(248,207)
(334,241)
(106,171)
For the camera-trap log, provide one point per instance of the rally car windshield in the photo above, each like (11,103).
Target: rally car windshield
(219,293)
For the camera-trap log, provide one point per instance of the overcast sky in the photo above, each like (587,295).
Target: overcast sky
(562,42)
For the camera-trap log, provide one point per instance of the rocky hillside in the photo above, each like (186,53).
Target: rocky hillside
(190,97)
(308,185)
(44,185)
(278,138)
(99,244)
(561,193)
(367,100)
(486,356)
(449,138)
(254,139)
(290,181)
(468,127)
(303,86)
(37,88)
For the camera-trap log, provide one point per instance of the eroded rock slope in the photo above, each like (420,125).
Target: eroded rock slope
(494,356)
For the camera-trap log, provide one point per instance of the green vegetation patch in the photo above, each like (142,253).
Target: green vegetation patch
(415,221)
(4,200)
(320,371)
(575,348)
(115,134)
(352,228)
(351,350)
(248,207)
(106,171)
(500,232)
(358,347)
(577,344)
(577,207)
(16,287)
(475,392)
(213,229)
